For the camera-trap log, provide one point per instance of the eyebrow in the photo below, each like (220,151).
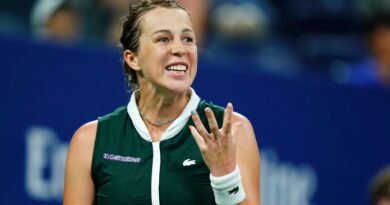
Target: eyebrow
(186,30)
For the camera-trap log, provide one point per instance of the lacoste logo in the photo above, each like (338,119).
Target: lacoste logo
(188,162)
(233,191)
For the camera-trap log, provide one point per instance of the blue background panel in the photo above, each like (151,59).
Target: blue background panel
(337,136)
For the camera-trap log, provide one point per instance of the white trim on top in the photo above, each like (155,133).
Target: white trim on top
(155,193)
(173,129)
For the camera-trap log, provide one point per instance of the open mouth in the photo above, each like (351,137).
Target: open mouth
(177,68)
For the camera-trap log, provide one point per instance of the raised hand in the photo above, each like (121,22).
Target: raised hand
(218,148)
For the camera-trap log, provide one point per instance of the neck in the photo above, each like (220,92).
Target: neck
(161,106)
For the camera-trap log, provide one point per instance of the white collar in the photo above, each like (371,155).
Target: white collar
(173,129)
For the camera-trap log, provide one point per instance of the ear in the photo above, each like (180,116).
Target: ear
(131,59)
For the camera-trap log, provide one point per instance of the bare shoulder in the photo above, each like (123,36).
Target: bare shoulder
(237,117)
(83,140)
(87,129)
(246,139)
(246,124)
(245,135)
(78,186)
(81,149)
(86,134)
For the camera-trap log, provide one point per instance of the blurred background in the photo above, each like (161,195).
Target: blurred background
(313,76)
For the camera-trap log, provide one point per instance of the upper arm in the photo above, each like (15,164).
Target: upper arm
(248,159)
(79,187)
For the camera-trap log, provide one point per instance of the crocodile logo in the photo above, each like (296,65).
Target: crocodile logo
(233,191)
(188,162)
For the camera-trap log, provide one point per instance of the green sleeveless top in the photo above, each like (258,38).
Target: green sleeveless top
(123,161)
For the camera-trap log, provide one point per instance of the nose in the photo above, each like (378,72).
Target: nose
(178,50)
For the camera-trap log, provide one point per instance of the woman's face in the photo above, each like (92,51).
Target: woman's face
(167,53)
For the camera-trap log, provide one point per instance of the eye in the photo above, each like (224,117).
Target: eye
(188,39)
(163,40)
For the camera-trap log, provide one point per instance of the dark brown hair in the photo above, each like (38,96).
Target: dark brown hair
(131,31)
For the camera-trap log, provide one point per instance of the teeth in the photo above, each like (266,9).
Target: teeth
(177,68)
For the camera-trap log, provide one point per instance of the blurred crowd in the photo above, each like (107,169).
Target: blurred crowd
(343,41)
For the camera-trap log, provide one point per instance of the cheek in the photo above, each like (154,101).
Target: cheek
(193,52)
(151,58)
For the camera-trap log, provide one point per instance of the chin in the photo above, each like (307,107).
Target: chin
(179,88)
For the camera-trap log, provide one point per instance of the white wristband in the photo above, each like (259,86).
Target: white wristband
(228,189)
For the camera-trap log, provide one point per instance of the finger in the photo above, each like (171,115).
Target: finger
(199,125)
(227,119)
(212,122)
(198,138)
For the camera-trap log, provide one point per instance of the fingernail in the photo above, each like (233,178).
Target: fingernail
(207,109)
(193,112)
